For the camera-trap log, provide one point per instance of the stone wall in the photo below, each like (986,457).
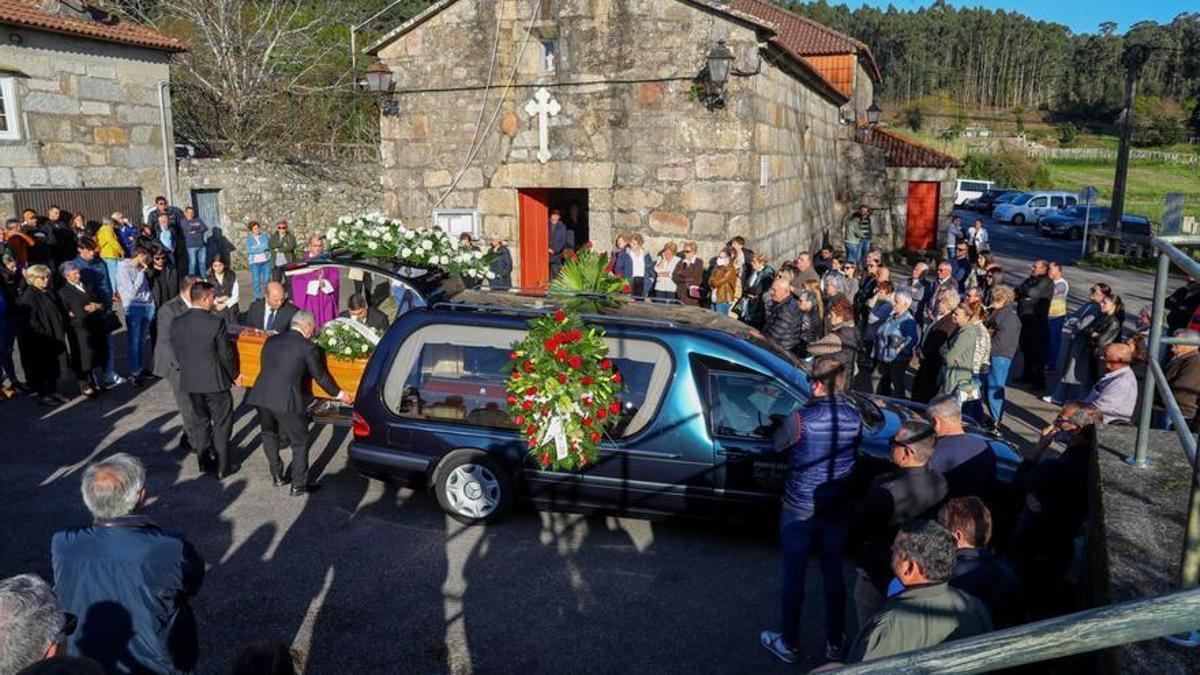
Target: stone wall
(88,113)
(630,130)
(309,195)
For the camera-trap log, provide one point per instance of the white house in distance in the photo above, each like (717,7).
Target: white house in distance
(85,111)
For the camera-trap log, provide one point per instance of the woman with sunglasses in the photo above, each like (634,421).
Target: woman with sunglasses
(283,249)
(1077,364)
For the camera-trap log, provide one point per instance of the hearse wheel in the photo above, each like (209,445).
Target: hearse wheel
(473,488)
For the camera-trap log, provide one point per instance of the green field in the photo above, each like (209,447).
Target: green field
(1148,184)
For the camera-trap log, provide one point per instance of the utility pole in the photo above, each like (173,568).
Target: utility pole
(1134,58)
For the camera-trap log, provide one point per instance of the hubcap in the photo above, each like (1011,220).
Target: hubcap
(472,491)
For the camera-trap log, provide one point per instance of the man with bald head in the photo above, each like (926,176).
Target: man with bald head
(1115,395)
(271,313)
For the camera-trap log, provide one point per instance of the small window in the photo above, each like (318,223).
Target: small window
(748,405)
(1071,201)
(549,60)
(10,128)
(455,222)
(1035,203)
(1056,202)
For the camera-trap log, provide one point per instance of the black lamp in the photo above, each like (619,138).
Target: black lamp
(379,84)
(873,114)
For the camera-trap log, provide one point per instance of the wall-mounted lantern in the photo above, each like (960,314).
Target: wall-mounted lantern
(378,82)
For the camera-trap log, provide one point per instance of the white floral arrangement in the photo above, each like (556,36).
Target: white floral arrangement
(347,340)
(374,235)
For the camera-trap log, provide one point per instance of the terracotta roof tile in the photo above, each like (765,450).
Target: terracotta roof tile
(801,36)
(102,26)
(902,151)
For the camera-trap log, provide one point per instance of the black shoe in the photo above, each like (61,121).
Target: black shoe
(279,482)
(228,471)
(301,490)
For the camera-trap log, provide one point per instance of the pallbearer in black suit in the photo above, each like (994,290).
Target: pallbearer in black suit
(272,313)
(360,311)
(166,365)
(207,371)
(282,396)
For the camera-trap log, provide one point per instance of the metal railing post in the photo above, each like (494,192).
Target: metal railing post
(1189,567)
(1156,323)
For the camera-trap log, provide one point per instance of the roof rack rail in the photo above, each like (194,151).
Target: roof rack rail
(541,311)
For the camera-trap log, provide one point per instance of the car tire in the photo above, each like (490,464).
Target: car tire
(1018,219)
(473,488)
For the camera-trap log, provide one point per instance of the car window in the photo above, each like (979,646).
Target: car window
(747,405)
(1056,202)
(1071,201)
(1035,203)
(458,374)
(1020,201)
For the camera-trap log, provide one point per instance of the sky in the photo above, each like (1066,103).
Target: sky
(1082,16)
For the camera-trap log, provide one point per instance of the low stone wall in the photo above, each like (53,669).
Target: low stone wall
(308,194)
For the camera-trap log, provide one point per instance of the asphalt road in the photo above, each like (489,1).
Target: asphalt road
(363,577)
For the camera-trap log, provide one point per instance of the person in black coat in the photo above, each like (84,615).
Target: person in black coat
(783,316)
(929,350)
(282,396)
(87,337)
(1033,307)
(166,365)
(360,311)
(207,371)
(43,335)
(272,313)
(557,238)
(501,266)
(976,569)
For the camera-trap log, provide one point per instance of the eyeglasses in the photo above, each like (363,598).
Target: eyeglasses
(70,623)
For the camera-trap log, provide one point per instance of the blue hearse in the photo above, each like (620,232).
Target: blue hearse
(703,397)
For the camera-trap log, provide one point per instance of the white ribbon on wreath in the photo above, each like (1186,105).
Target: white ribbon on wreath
(556,431)
(362,329)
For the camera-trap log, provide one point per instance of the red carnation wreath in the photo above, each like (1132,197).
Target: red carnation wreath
(563,391)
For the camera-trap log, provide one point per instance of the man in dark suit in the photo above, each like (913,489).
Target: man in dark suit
(272,313)
(207,371)
(557,240)
(360,311)
(282,396)
(929,349)
(166,365)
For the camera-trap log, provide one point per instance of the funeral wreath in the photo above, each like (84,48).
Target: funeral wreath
(377,236)
(347,339)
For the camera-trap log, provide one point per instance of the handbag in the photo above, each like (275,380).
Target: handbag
(111,322)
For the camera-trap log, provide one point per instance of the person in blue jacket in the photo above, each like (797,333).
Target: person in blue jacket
(127,580)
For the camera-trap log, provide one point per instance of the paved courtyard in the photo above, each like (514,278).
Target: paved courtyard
(364,577)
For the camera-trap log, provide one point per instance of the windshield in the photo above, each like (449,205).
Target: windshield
(1019,201)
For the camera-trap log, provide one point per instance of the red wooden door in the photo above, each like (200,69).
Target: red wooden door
(921,226)
(534,210)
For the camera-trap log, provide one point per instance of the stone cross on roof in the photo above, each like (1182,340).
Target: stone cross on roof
(543,107)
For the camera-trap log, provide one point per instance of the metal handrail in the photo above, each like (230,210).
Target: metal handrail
(1170,252)
(1078,633)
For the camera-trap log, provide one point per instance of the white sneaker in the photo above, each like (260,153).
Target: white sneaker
(773,642)
(1050,399)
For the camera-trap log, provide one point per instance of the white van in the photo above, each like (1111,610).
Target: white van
(1030,206)
(969,188)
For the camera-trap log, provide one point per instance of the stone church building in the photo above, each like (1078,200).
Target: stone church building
(502,110)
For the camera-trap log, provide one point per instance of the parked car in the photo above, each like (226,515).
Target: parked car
(1069,222)
(987,200)
(968,188)
(1031,205)
(704,396)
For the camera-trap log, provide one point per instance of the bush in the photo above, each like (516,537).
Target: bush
(1067,134)
(1011,168)
(914,116)
(1157,121)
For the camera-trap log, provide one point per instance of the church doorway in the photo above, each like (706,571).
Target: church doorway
(534,207)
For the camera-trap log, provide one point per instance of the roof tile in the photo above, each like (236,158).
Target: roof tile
(102,26)
(901,151)
(801,36)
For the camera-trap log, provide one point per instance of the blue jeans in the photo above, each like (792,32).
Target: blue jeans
(721,307)
(110,264)
(996,379)
(260,275)
(800,538)
(856,251)
(1054,341)
(196,260)
(137,326)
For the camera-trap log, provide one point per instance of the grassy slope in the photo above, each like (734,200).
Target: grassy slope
(1147,188)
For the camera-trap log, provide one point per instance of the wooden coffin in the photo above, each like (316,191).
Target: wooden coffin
(249,344)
